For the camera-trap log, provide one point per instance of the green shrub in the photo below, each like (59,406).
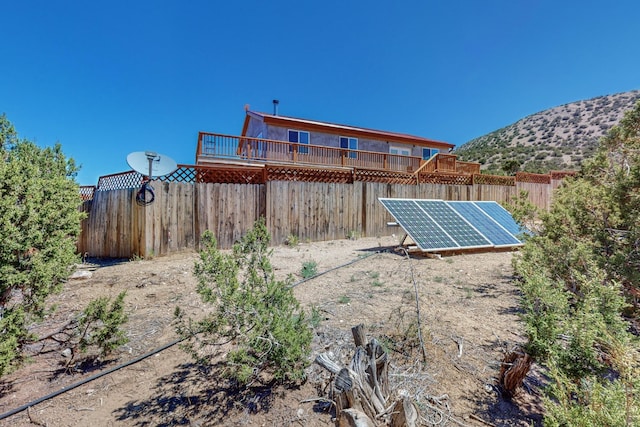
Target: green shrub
(99,324)
(523,211)
(252,311)
(39,226)
(574,277)
(316,317)
(309,269)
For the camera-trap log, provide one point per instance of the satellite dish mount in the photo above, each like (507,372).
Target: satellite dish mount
(151,165)
(151,157)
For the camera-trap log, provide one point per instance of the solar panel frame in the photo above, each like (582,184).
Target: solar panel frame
(460,230)
(502,216)
(418,225)
(499,236)
(438,225)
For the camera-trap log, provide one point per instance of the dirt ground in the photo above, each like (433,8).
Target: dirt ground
(469,318)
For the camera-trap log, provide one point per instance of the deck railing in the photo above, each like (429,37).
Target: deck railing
(266,150)
(469,168)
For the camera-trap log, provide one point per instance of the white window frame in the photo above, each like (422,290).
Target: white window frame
(432,152)
(301,150)
(352,145)
(400,151)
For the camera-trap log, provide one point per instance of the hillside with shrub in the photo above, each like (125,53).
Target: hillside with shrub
(579,281)
(559,138)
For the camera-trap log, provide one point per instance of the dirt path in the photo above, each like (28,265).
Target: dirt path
(469,317)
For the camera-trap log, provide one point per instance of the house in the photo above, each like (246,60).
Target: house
(275,139)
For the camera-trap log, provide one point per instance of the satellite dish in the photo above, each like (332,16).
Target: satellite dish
(151,164)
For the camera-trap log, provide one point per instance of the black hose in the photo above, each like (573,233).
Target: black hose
(151,353)
(89,379)
(141,196)
(335,268)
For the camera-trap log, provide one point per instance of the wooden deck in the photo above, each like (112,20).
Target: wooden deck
(216,148)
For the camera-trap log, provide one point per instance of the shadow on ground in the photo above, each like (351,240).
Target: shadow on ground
(523,409)
(194,394)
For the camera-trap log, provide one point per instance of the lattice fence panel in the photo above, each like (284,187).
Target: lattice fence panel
(230,175)
(286,173)
(86,192)
(445,178)
(182,174)
(120,181)
(369,175)
(562,174)
(533,178)
(482,179)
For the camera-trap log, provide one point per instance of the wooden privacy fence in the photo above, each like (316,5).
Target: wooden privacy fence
(117,226)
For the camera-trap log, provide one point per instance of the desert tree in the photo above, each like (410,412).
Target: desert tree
(579,278)
(511,166)
(256,323)
(39,226)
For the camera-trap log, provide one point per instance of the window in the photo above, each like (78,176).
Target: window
(401,151)
(349,144)
(427,153)
(301,137)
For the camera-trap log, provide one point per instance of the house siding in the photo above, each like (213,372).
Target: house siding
(277,133)
(333,140)
(255,127)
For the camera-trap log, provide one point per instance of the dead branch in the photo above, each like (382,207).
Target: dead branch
(361,390)
(477,418)
(513,370)
(459,341)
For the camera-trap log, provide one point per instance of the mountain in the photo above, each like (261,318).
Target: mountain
(555,139)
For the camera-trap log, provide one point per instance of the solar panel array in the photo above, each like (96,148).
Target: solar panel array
(450,225)
(494,210)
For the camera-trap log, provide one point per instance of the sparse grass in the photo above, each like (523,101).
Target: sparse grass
(292,240)
(353,235)
(438,279)
(309,269)
(375,275)
(344,299)
(138,257)
(468,292)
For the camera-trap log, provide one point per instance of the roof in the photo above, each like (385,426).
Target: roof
(344,130)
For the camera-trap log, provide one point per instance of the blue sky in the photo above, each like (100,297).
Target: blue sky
(108,78)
